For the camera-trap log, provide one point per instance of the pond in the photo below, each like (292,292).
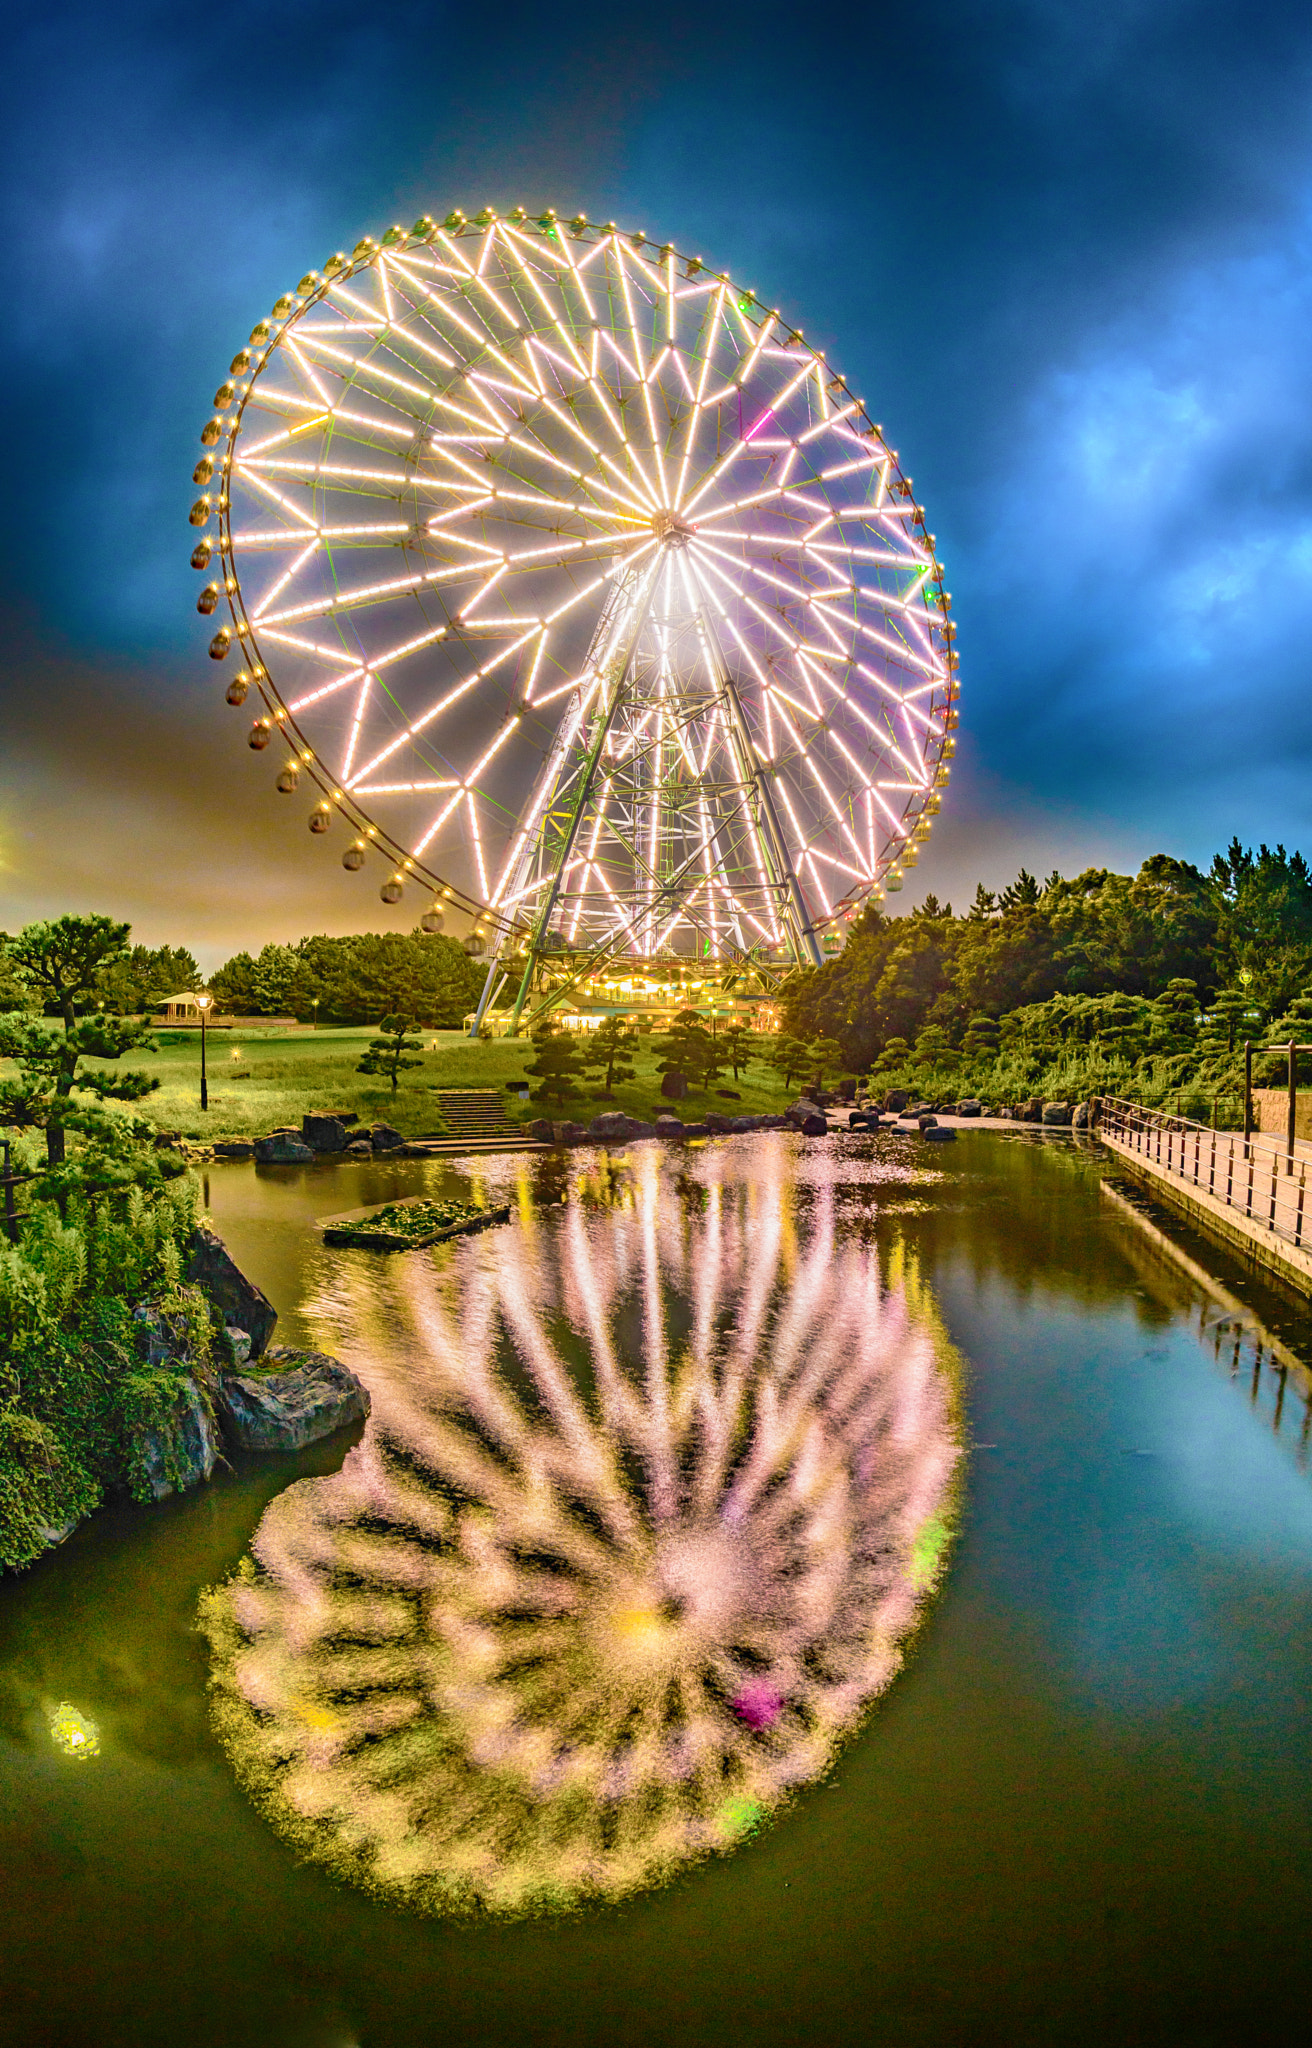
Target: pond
(606,1693)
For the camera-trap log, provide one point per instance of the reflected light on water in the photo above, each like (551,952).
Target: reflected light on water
(72,1732)
(651,1495)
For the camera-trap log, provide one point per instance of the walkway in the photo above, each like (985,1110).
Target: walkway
(1253,1195)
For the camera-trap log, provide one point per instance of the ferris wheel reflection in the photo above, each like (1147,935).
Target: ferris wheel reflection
(652,1494)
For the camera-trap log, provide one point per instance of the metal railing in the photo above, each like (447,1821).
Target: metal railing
(1252,1173)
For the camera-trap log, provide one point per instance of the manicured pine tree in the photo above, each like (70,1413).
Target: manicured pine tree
(60,963)
(559,1066)
(685,1048)
(610,1051)
(387,1053)
(740,1047)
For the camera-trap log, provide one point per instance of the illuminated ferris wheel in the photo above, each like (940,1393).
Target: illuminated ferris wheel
(581,593)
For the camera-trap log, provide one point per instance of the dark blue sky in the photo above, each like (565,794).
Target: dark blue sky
(1064,252)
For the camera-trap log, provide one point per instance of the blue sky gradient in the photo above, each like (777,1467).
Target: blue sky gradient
(1064,254)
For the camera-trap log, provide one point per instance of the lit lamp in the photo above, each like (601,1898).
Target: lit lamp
(203,1004)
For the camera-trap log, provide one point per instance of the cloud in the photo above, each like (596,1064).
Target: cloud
(1142,602)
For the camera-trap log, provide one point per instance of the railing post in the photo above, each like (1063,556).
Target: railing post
(1293,1101)
(1248,1093)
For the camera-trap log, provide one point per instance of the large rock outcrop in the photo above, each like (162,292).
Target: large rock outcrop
(282,1148)
(324,1133)
(180,1449)
(304,1396)
(238,1300)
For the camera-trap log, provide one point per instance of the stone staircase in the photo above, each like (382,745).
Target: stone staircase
(476,1117)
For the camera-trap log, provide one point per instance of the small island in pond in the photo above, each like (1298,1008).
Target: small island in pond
(408,1226)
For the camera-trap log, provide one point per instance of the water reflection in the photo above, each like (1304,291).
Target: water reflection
(655,1484)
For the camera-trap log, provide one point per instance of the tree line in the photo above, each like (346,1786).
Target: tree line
(357,980)
(1155,978)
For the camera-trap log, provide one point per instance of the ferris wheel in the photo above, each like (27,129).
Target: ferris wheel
(581,594)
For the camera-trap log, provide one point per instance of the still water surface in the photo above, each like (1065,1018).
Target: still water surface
(1081,1812)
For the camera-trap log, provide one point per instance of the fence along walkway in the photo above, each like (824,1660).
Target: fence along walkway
(1254,1188)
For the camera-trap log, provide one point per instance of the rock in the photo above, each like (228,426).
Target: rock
(324,1133)
(729,1094)
(168,1141)
(1031,1112)
(641,1130)
(612,1125)
(306,1396)
(360,1148)
(282,1148)
(674,1087)
(669,1127)
(695,1131)
(927,1122)
(939,1134)
(384,1139)
(896,1100)
(718,1125)
(234,1148)
(804,1106)
(1056,1113)
(181,1451)
(858,1121)
(972,1106)
(1081,1120)
(575,1134)
(813,1125)
(211,1267)
(541,1128)
(240,1340)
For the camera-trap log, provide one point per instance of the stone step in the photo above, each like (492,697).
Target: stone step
(475,1113)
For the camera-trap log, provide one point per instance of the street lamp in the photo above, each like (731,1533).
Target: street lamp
(203,1004)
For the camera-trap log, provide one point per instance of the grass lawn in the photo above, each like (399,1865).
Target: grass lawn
(258,1080)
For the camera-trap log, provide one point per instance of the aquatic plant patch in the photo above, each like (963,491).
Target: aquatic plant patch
(408,1226)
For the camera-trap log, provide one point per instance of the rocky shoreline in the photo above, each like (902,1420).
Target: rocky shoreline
(340,1137)
(246,1396)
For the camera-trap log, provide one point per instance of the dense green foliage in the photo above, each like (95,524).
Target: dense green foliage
(1102,983)
(78,1393)
(428,978)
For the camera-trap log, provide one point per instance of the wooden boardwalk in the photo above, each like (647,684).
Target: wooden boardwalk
(1253,1194)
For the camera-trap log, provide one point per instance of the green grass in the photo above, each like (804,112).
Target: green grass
(281,1077)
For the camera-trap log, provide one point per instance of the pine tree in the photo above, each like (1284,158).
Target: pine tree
(609,1051)
(61,963)
(387,1052)
(559,1066)
(789,1057)
(685,1048)
(740,1047)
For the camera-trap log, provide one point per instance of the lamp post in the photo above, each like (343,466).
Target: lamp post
(203,1004)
